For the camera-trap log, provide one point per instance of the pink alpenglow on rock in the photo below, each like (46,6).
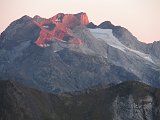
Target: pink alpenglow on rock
(58,27)
(83,18)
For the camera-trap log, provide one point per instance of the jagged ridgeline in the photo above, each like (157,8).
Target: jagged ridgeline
(127,101)
(67,53)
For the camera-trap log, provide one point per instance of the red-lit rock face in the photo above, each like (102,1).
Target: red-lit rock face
(70,21)
(83,18)
(58,32)
(57,27)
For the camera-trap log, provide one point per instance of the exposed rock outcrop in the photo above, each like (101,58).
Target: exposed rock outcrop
(91,25)
(126,101)
(54,56)
(154,49)
(106,25)
(59,27)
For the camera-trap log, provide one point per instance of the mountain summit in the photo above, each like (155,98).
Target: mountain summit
(67,53)
(57,27)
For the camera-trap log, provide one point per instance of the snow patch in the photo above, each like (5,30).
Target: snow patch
(44,45)
(45,26)
(108,37)
(145,56)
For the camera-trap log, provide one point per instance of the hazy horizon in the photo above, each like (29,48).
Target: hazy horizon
(140,17)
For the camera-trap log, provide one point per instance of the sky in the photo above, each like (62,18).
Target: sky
(140,17)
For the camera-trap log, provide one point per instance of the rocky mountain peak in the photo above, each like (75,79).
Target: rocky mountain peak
(83,18)
(91,25)
(43,30)
(58,27)
(106,25)
(38,18)
(71,20)
(62,54)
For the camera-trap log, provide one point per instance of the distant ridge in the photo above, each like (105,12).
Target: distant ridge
(67,53)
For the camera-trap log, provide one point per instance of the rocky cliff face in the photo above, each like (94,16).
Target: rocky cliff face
(69,71)
(154,48)
(126,101)
(58,28)
(128,39)
(61,54)
(67,68)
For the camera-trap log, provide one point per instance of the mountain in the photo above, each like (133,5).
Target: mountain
(106,25)
(129,100)
(154,49)
(91,25)
(67,53)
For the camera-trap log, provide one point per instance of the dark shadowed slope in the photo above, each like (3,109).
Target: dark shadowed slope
(126,101)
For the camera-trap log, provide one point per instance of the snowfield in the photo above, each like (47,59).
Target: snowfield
(108,37)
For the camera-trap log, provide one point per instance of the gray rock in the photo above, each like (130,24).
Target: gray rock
(126,101)
(63,67)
